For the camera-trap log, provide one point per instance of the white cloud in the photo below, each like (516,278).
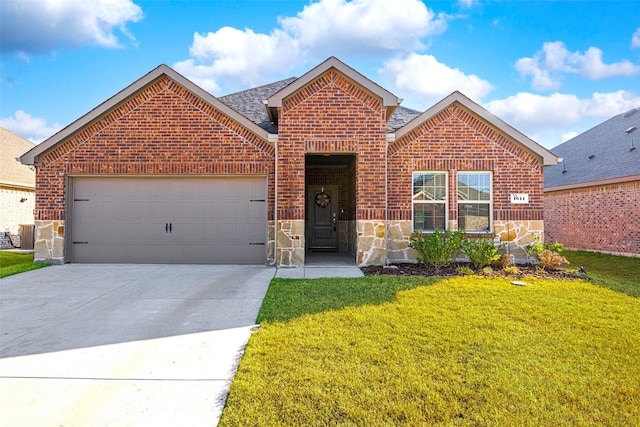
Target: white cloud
(424,80)
(36,27)
(549,64)
(635,39)
(240,57)
(468,3)
(552,117)
(32,128)
(372,25)
(321,29)
(569,135)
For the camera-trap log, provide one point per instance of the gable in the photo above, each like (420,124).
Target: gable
(131,98)
(480,121)
(359,86)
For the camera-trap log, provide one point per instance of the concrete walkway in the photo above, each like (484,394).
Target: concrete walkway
(139,345)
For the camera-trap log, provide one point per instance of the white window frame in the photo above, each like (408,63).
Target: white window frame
(445,201)
(487,202)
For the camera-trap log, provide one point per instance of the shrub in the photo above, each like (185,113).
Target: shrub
(547,255)
(487,271)
(464,271)
(505,261)
(481,251)
(437,249)
(549,259)
(512,269)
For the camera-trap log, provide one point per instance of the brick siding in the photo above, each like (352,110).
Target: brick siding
(456,140)
(604,218)
(163,130)
(332,115)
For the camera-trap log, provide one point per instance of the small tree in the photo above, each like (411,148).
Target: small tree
(481,251)
(437,249)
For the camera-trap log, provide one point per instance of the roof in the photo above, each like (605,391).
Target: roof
(548,157)
(250,103)
(33,155)
(608,151)
(12,173)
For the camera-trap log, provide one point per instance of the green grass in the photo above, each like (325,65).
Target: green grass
(461,351)
(290,298)
(619,273)
(14,263)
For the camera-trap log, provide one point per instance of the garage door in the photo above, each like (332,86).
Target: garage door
(168,220)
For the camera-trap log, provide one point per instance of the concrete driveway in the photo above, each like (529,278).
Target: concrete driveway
(122,345)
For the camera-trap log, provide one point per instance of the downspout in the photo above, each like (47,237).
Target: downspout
(275,207)
(386,202)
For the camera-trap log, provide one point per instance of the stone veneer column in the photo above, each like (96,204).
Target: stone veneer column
(517,235)
(399,238)
(290,243)
(49,242)
(371,242)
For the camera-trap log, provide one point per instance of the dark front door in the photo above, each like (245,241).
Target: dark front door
(322,224)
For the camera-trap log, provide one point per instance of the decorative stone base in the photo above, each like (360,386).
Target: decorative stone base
(290,243)
(517,235)
(399,239)
(271,242)
(49,242)
(371,242)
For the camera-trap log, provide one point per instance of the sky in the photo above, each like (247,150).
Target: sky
(550,69)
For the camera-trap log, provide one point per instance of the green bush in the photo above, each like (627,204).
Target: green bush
(481,251)
(464,271)
(437,249)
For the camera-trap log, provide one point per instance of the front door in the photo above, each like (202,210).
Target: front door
(322,211)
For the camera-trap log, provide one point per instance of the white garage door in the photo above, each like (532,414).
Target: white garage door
(168,220)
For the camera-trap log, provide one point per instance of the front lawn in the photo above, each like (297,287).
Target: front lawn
(616,272)
(461,351)
(14,263)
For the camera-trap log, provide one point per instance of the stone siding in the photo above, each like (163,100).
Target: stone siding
(49,241)
(371,243)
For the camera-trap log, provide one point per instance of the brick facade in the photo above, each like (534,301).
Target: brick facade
(164,128)
(603,218)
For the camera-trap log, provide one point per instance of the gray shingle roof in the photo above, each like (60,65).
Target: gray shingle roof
(250,104)
(603,152)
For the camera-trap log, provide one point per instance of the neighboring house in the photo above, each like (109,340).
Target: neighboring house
(592,198)
(17,188)
(166,172)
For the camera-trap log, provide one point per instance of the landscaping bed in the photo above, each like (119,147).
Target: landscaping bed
(415,269)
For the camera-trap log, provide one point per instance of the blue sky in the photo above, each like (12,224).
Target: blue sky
(551,69)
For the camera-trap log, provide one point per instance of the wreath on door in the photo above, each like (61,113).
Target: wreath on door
(323,199)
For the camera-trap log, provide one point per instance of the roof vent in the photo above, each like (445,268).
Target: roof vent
(630,112)
(564,169)
(631,129)
(591,157)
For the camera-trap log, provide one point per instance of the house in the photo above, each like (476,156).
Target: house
(592,199)
(165,172)
(17,189)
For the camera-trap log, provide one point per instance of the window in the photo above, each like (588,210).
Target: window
(474,201)
(429,201)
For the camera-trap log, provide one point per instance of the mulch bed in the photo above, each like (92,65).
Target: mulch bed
(409,269)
